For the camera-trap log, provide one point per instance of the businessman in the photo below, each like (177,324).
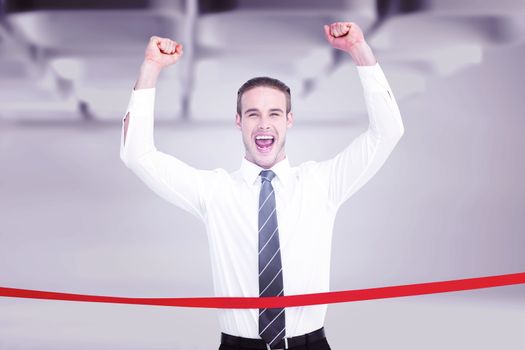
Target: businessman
(269,224)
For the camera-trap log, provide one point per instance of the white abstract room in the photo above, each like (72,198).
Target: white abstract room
(449,202)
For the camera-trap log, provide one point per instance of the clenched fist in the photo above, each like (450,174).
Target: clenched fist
(162,51)
(347,36)
(344,35)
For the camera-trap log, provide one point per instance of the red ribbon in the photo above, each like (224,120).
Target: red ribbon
(285,301)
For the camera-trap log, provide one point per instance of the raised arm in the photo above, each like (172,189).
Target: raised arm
(160,53)
(359,161)
(166,175)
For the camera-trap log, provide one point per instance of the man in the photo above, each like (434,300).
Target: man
(269,224)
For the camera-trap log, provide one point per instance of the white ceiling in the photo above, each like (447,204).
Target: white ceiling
(71,63)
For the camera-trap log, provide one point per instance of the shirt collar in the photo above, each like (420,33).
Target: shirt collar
(250,171)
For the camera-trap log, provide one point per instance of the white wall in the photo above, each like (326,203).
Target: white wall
(448,204)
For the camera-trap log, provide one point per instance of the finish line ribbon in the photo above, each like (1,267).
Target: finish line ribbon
(284,301)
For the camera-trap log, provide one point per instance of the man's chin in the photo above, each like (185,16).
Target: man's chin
(265,163)
(264,160)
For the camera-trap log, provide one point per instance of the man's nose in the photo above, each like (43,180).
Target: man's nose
(264,123)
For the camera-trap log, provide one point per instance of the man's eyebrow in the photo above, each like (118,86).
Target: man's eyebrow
(256,110)
(251,110)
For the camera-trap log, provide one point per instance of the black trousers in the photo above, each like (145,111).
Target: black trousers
(318,345)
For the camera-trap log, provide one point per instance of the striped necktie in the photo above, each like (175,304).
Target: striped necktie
(271,321)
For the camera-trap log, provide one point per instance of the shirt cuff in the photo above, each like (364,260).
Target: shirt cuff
(373,79)
(139,137)
(141,102)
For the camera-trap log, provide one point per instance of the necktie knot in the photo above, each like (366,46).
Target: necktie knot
(267,175)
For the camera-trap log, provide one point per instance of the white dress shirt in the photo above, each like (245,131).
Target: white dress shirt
(307,199)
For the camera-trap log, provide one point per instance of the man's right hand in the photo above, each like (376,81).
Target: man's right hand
(162,52)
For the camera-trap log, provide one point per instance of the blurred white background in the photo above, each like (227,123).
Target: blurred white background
(449,203)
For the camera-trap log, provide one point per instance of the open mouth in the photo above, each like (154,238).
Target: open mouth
(264,143)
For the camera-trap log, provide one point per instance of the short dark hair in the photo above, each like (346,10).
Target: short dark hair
(266,82)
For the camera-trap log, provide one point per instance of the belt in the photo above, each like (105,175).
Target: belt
(286,343)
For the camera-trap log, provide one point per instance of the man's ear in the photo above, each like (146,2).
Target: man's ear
(289,120)
(238,121)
